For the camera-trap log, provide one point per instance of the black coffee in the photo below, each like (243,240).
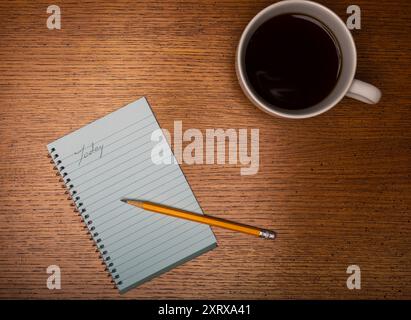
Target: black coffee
(292,61)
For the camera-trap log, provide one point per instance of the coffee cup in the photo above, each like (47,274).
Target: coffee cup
(345,84)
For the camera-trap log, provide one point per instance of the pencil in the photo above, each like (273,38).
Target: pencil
(205,219)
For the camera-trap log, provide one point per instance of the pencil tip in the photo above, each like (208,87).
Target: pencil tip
(133,202)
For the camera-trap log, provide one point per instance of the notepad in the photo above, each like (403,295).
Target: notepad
(110,159)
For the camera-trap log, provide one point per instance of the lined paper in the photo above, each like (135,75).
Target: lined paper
(110,159)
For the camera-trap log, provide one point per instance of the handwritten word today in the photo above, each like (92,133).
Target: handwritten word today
(86,152)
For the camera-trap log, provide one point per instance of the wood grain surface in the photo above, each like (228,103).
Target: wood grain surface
(337,188)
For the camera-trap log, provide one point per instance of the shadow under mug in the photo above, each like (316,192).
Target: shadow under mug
(346,84)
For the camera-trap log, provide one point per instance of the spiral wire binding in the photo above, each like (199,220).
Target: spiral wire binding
(80,210)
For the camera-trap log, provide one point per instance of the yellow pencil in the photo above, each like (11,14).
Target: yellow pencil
(212,221)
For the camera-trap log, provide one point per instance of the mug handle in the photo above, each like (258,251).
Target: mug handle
(364,92)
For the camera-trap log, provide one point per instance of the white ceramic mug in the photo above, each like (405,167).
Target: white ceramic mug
(346,84)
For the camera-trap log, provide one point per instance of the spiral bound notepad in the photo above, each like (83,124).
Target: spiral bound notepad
(110,159)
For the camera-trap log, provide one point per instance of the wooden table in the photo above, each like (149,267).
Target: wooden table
(337,187)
